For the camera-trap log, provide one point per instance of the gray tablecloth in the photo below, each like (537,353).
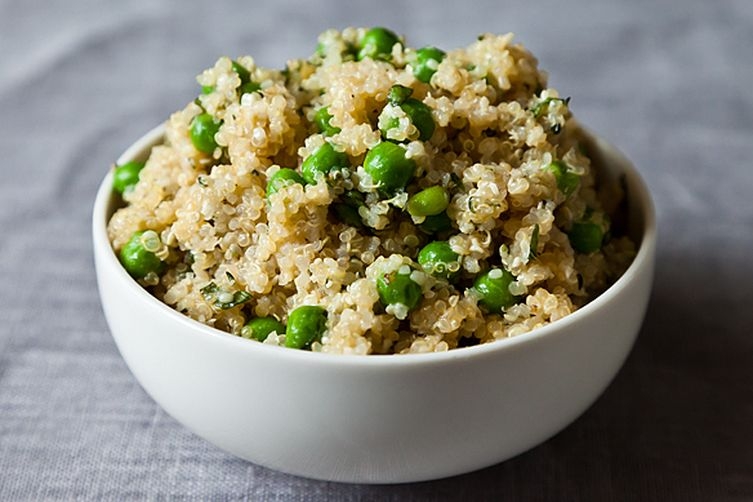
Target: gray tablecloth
(669,82)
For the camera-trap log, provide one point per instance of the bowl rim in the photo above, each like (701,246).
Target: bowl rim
(644,258)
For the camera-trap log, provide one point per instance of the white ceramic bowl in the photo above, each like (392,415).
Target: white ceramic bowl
(376,419)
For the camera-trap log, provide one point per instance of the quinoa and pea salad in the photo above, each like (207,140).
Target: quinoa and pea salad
(372,199)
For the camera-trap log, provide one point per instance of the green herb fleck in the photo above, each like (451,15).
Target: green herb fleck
(542,107)
(223,300)
(534,242)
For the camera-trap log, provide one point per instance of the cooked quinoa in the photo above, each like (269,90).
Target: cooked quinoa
(492,167)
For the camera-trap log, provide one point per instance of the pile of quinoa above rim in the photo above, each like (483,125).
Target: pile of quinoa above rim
(372,199)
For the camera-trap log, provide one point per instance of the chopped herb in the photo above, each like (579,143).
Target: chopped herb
(534,242)
(223,300)
(229,276)
(242,72)
(250,87)
(239,297)
(209,291)
(543,106)
(202,180)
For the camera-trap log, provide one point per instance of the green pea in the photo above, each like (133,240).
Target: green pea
(436,224)
(395,288)
(567,182)
(418,113)
(377,43)
(429,201)
(207,89)
(282,178)
(388,167)
(322,120)
(203,129)
(398,94)
(493,287)
(348,215)
(438,259)
(242,72)
(347,207)
(261,327)
(136,259)
(306,324)
(352,198)
(322,161)
(126,176)
(586,237)
(427,60)
(420,116)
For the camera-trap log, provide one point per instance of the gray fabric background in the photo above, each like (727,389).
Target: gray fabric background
(668,82)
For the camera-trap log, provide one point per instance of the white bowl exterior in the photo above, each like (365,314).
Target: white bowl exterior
(375,419)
